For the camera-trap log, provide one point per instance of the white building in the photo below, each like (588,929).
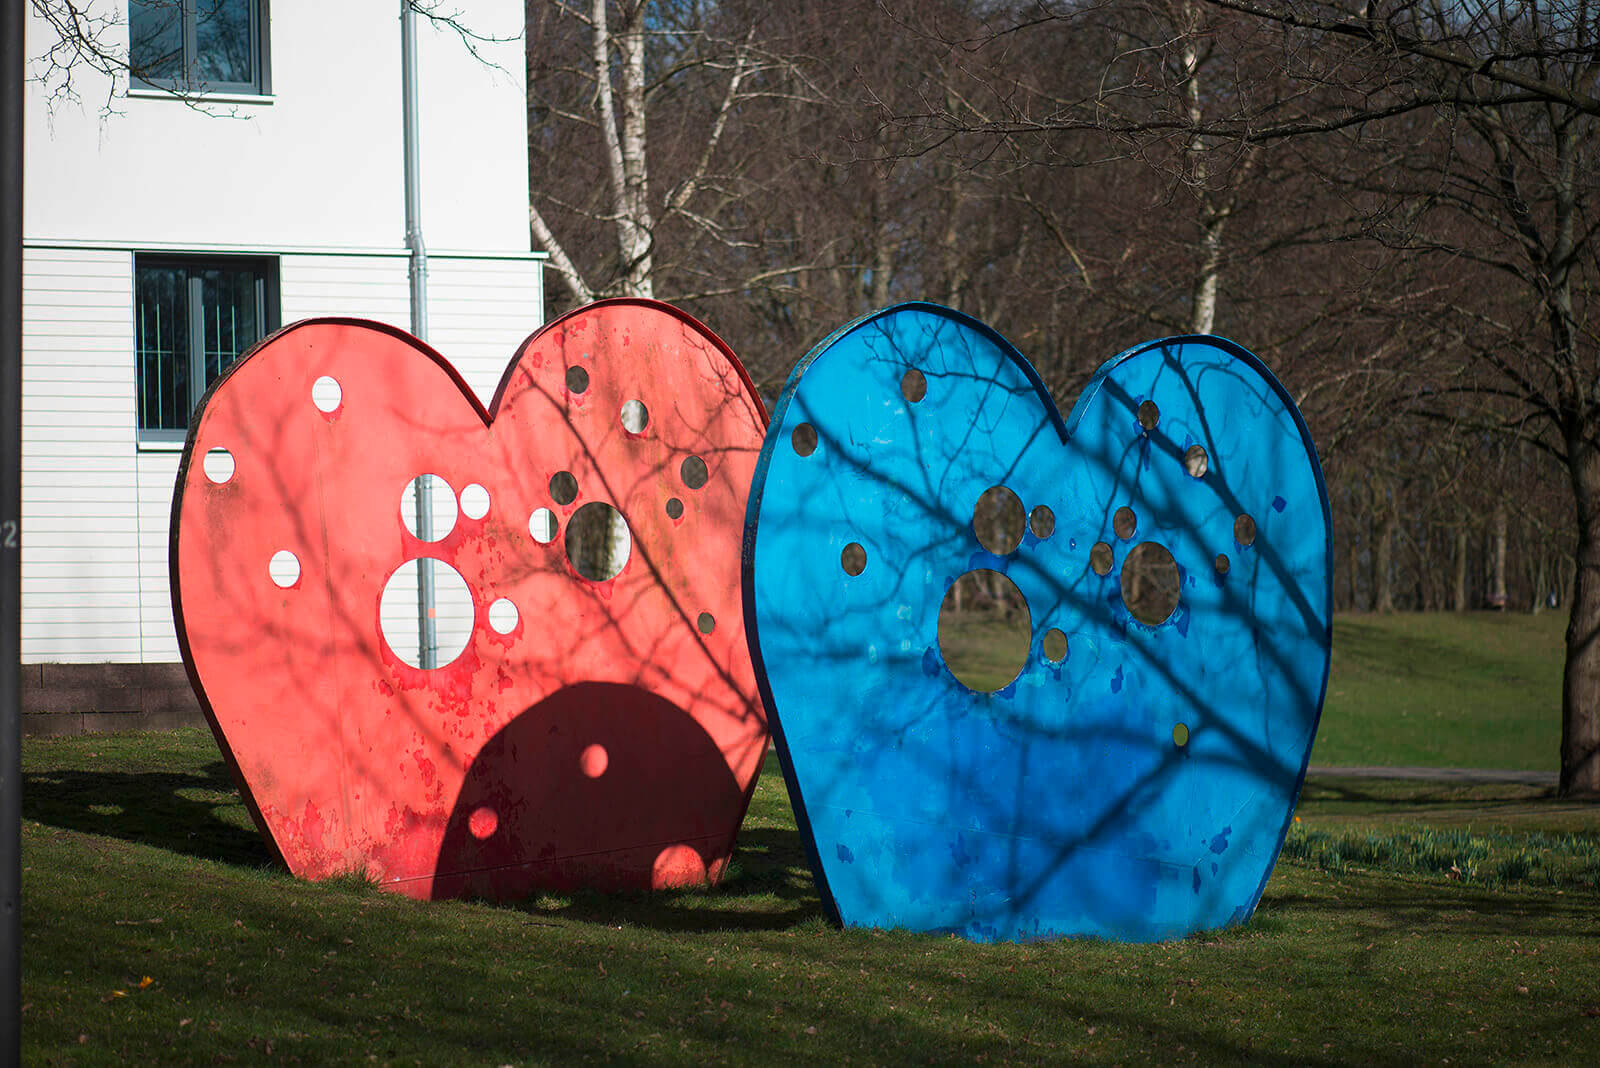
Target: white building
(165,232)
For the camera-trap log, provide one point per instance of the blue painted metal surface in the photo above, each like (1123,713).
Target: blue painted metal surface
(1062,804)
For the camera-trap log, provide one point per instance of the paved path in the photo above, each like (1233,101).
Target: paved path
(1461,775)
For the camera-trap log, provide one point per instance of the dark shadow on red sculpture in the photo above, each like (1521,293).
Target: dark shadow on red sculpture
(570,794)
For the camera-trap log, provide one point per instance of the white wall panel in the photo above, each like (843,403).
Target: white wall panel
(80,570)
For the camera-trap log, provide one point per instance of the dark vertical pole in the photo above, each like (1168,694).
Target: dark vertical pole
(11,533)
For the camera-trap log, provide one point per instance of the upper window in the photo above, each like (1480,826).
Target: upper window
(192,318)
(200,46)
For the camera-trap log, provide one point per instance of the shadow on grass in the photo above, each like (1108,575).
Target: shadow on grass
(184,812)
(199,814)
(1412,907)
(1329,793)
(768,888)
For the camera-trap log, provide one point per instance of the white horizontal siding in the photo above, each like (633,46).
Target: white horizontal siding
(158,475)
(480,311)
(80,516)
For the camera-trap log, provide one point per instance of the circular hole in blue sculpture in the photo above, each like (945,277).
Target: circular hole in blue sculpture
(853,559)
(999,520)
(1149,583)
(985,630)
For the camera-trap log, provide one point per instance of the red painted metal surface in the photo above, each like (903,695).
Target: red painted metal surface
(606,740)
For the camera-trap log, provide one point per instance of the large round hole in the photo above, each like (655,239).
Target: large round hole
(635,416)
(694,472)
(804,439)
(1244,530)
(407,612)
(436,515)
(1149,414)
(577,379)
(853,558)
(598,541)
(1100,558)
(999,520)
(563,487)
(1149,582)
(1195,461)
(1054,645)
(913,385)
(1124,522)
(985,630)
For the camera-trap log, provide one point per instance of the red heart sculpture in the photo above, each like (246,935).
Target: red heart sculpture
(602,731)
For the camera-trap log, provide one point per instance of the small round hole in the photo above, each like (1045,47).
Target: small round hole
(1149,583)
(1196,462)
(674,508)
(284,568)
(853,558)
(1125,522)
(598,541)
(1180,734)
(706,623)
(1244,531)
(452,613)
(218,465)
(804,439)
(326,394)
(985,631)
(999,520)
(1054,645)
(1222,564)
(635,417)
(593,761)
(542,525)
(694,472)
(563,487)
(1042,521)
(1100,558)
(474,501)
(438,510)
(913,385)
(577,380)
(1149,415)
(483,822)
(503,616)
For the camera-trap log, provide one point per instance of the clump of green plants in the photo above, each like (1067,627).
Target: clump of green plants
(1491,859)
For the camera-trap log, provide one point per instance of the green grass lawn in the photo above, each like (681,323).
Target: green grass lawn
(156,931)
(1478,690)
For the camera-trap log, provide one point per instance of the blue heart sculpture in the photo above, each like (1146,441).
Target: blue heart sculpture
(1134,781)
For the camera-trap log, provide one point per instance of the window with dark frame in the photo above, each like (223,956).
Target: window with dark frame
(192,318)
(199,45)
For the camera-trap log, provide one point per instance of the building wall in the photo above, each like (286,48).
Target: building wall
(310,172)
(317,163)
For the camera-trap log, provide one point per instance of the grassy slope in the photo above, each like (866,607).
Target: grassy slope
(139,862)
(1481,690)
